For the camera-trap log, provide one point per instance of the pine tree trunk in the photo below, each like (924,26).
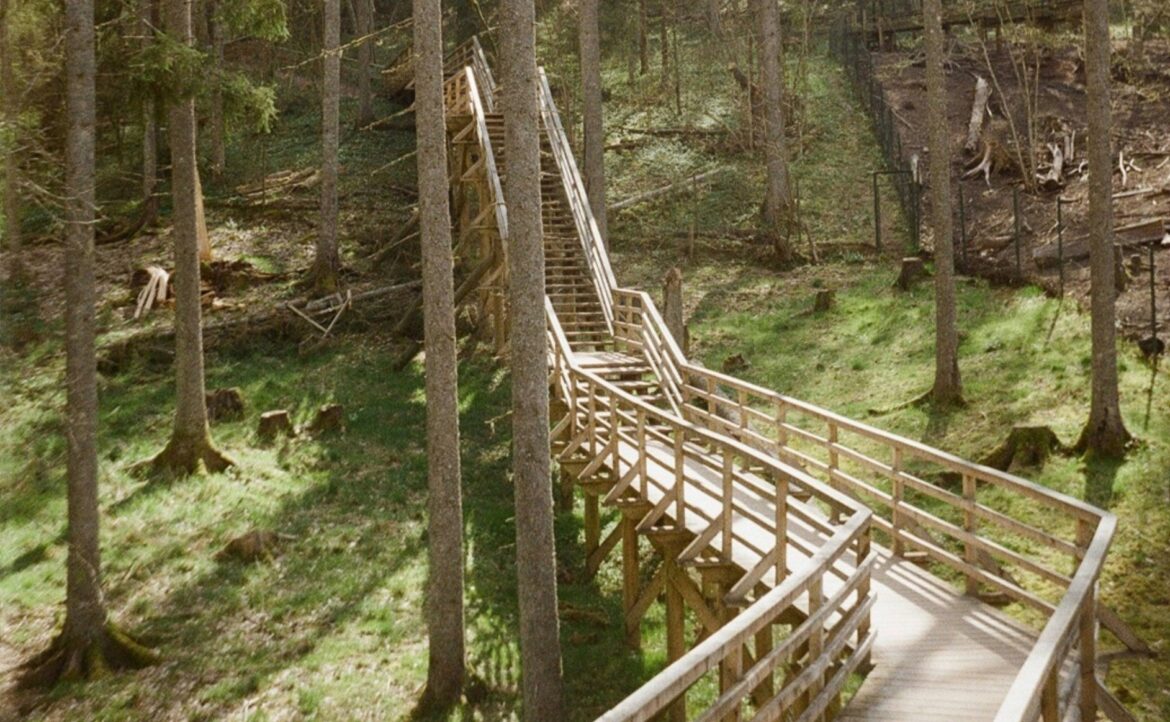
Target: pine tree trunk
(11,155)
(365,26)
(643,43)
(85,615)
(326,263)
(588,35)
(947,386)
(218,141)
(149,119)
(444,601)
(190,441)
(1105,433)
(540,650)
(777,194)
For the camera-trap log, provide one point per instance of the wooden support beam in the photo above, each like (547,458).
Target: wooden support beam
(598,555)
(675,621)
(629,527)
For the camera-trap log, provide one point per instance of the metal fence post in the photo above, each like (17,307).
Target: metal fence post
(877,215)
(1060,241)
(962,226)
(1016,213)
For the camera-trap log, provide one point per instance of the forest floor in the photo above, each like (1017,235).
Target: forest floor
(330,625)
(1056,82)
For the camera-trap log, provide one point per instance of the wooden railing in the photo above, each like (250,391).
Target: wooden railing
(596,256)
(462,96)
(671,463)
(997,531)
(470,53)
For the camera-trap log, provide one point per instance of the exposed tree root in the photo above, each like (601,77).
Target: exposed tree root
(70,660)
(184,456)
(1108,439)
(916,401)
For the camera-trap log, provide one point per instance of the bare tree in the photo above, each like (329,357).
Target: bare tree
(327,262)
(190,443)
(590,41)
(11,140)
(216,30)
(365,25)
(149,120)
(540,649)
(947,385)
(1105,433)
(445,670)
(778,194)
(88,643)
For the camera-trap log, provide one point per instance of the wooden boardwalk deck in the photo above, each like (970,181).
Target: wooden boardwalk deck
(939,654)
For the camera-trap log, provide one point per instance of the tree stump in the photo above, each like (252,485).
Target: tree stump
(1025,446)
(734,363)
(672,308)
(824,300)
(330,419)
(913,270)
(225,404)
(275,423)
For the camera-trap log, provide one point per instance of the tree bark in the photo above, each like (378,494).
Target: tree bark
(11,155)
(445,669)
(589,36)
(215,29)
(1105,434)
(540,650)
(777,195)
(149,120)
(947,385)
(365,26)
(190,441)
(643,43)
(327,262)
(85,614)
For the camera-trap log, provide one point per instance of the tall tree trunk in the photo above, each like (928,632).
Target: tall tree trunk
(445,669)
(12,140)
(216,30)
(540,649)
(365,26)
(947,385)
(149,120)
(664,42)
(85,615)
(777,194)
(588,34)
(88,645)
(1105,433)
(643,43)
(190,441)
(326,263)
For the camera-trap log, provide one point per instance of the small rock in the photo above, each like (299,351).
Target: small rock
(275,423)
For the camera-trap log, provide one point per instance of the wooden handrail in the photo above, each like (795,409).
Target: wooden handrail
(596,257)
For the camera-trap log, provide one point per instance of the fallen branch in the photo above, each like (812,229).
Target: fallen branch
(153,293)
(669,188)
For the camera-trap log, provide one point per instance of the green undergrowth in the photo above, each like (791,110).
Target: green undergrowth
(331,626)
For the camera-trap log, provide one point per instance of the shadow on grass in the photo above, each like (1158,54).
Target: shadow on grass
(1100,477)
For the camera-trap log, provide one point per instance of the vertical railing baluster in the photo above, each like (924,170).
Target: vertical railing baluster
(896,502)
(970,525)
(679,479)
(728,477)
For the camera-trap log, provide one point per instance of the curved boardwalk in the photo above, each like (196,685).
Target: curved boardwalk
(765,512)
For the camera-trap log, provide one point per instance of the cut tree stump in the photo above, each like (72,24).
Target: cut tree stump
(913,270)
(978,111)
(824,300)
(254,546)
(1025,446)
(225,404)
(330,418)
(275,423)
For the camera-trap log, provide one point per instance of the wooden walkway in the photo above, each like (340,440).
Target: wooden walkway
(762,509)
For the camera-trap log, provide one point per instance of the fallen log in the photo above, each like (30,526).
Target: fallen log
(978,111)
(663,190)
(157,346)
(1150,231)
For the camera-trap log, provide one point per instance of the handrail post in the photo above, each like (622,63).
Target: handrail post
(834,461)
(816,642)
(642,454)
(728,491)
(781,432)
(896,502)
(970,525)
(679,479)
(1088,634)
(781,523)
(863,552)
